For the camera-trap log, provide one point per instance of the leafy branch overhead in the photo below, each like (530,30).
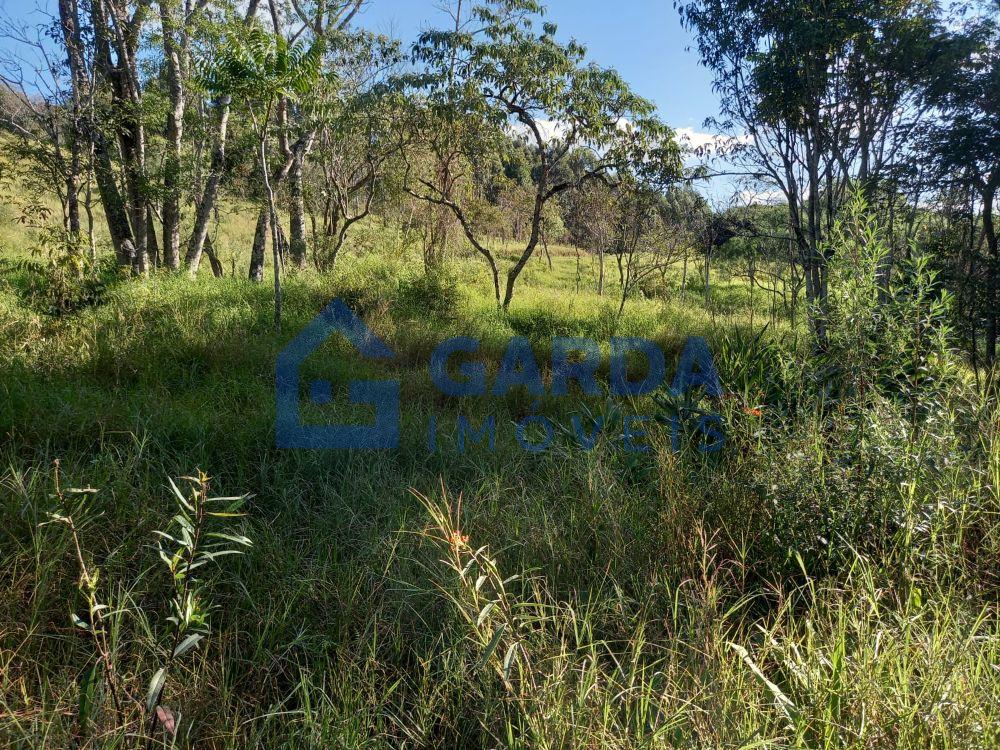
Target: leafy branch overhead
(499,77)
(254,64)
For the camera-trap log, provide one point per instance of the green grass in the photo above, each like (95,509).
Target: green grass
(827,581)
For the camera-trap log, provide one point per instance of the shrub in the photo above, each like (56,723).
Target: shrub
(61,278)
(434,292)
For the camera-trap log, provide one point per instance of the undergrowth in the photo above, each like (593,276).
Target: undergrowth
(827,580)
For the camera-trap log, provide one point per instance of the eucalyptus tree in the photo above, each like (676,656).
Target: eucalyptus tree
(306,23)
(820,98)
(360,142)
(965,141)
(176,20)
(205,201)
(117,29)
(262,69)
(478,85)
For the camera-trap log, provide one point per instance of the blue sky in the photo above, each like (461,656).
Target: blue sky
(642,39)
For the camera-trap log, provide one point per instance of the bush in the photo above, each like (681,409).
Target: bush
(434,292)
(61,278)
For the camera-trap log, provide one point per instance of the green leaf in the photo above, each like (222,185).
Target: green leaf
(179,495)
(508,661)
(187,644)
(484,613)
(165,535)
(88,686)
(155,688)
(234,538)
(492,645)
(788,708)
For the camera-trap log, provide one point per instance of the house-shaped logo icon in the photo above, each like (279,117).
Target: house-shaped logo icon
(382,394)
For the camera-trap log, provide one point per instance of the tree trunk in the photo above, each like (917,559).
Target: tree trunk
(298,247)
(993,274)
(175,134)
(152,248)
(600,272)
(213,259)
(536,233)
(88,205)
(816,267)
(264,223)
(708,275)
(259,246)
(72,40)
(684,275)
(126,108)
(114,204)
(203,211)
(275,241)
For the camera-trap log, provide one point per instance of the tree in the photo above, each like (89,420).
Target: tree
(307,24)
(965,143)
(359,137)
(475,89)
(644,243)
(40,111)
(261,68)
(206,201)
(117,26)
(818,97)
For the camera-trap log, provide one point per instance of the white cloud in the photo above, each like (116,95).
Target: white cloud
(549,129)
(552,129)
(759,197)
(708,143)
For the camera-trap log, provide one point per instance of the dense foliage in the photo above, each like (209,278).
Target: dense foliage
(172,579)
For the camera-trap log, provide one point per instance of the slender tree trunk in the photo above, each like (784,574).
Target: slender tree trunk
(275,242)
(266,224)
(816,268)
(152,247)
(259,246)
(536,233)
(203,211)
(708,274)
(577,268)
(127,229)
(175,134)
(624,276)
(993,272)
(70,24)
(88,204)
(298,246)
(213,259)
(122,34)
(72,194)
(115,212)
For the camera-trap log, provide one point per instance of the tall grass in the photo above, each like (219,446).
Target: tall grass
(828,580)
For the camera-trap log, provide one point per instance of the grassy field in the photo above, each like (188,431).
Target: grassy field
(828,580)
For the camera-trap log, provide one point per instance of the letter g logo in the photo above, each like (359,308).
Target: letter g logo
(382,394)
